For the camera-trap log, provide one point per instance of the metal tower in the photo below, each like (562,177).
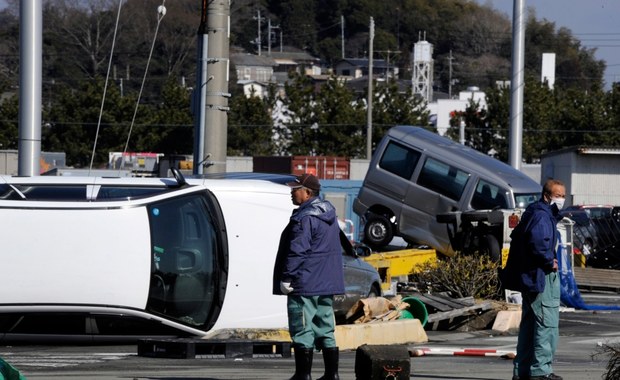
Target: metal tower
(422,79)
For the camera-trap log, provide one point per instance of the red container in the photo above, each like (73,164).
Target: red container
(324,167)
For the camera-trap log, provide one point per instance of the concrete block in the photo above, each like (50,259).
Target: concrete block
(349,337)
(507,320)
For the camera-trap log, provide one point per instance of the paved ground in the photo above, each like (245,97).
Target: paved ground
(582,334)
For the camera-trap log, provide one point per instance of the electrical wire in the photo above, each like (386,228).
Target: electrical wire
(105,87)
(161,12)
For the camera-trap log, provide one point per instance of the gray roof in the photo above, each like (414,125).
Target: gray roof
(251,60)
(363,62)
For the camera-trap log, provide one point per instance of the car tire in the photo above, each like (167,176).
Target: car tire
(378,231)
(374,292)
(489,246)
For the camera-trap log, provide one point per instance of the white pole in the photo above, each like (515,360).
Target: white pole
(30,58)
(517,85)
(369,112)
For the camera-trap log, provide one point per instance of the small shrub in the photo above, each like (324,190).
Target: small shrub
(460,276)
(613,365)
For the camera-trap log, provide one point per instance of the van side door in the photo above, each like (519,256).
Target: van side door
(438,189)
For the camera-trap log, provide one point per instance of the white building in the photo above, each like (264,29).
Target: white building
(443,107)
(591,175)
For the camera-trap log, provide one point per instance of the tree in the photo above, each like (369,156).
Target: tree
(479,134)
(79,36)
(171,129)
(74,117)
(340,118)
(391,107)
(299,125)
(9,115)
(250,128)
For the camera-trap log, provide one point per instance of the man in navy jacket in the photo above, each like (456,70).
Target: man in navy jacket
(532,268)
(309,270)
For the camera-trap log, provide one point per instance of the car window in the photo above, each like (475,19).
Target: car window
(524,200)
(488,196)
(443,178)
(188,264)
(399,160)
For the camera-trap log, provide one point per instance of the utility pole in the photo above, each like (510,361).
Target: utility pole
(387,59)
(450,58)
(213,86)
(269,29)
(515,143)
(258,42)
(369,108)
(342,34)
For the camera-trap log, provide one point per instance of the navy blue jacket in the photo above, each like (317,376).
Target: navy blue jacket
(310,254)
(532,248)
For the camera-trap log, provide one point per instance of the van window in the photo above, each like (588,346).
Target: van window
(399,160)
(443,178)
(488,196)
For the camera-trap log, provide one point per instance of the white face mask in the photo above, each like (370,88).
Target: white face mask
(559,202)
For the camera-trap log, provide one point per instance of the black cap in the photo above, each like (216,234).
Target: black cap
(306,180)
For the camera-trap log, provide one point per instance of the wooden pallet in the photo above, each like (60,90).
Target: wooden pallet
(449,313)
(212,349)
(597,279)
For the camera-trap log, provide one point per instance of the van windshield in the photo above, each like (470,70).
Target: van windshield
(525,199)
(189,260)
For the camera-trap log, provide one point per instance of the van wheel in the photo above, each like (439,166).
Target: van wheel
(490,247)
(378,231)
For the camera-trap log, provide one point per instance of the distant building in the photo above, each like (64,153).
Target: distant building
(442,108)
(250,67)
(591,174)
(296,60)
(256,72)
(359,67)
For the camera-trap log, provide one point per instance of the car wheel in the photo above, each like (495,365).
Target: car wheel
(374,292)
(490,247)
(377,231)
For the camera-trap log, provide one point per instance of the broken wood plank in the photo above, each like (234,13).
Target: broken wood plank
(471,310)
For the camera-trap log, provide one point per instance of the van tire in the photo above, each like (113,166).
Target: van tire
(378,231)
(490,247)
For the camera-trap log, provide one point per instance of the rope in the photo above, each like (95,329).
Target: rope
(161,12)
(105,87)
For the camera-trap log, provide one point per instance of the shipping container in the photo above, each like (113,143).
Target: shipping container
(324,167)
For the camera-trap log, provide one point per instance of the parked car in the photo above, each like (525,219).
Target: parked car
(585,237)
(416,175)
(594,211)
(361,279)
(605,221)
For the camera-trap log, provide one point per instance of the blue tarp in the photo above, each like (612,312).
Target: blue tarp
(570,295)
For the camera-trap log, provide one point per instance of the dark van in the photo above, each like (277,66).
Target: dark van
(415,175)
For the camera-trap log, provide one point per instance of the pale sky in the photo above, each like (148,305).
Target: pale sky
(594,22)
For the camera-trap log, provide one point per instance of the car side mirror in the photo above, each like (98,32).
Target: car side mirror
(362,250)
